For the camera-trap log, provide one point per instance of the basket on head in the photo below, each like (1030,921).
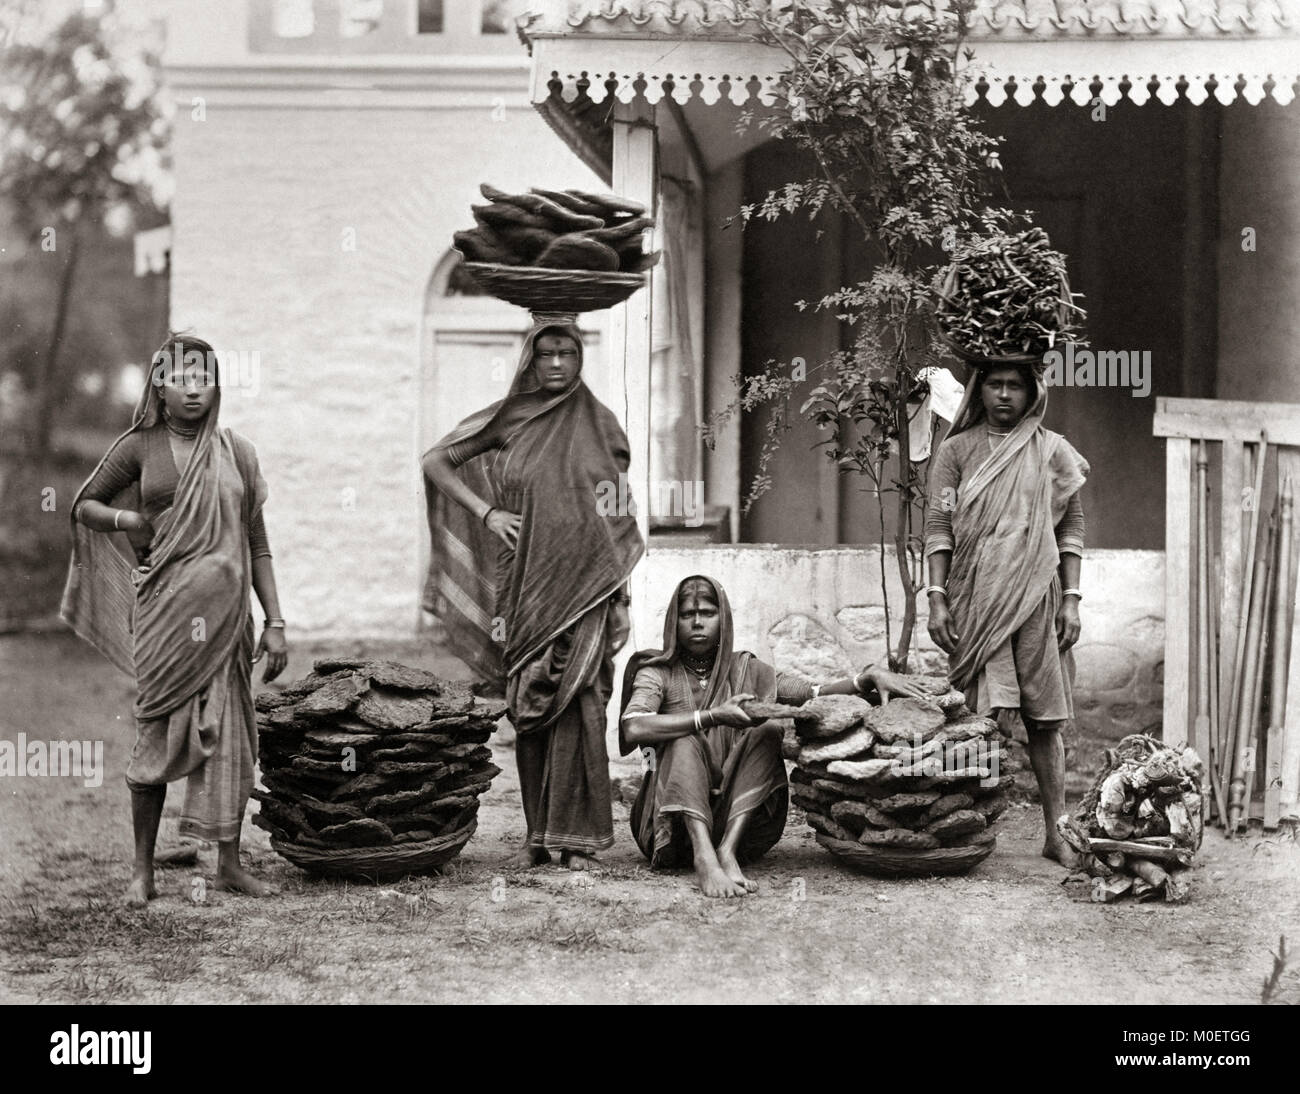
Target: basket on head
(546,290)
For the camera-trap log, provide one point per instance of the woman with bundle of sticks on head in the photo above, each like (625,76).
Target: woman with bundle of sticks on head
(529,574)
(188,494)
(716,793)
(1004,541)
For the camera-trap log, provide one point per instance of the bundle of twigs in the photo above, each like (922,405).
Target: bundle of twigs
(1006,296)
(1140,824)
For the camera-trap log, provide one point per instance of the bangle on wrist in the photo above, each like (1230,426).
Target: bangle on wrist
(487,513)
(698,724)
(816,690)
(117,515)
(273,623)
(1072,592)
(930,590)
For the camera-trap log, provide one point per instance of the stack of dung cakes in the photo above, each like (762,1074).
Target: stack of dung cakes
(911,787)
(372,769)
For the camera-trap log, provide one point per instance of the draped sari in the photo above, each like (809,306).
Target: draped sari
(720,773)
(1003,585)
(534,618)
(182,626)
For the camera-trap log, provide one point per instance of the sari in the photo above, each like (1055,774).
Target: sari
(720,773)
(534,618)
(1003,585)
(182,626)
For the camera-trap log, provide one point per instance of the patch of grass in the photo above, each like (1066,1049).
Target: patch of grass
(176,963)
(87,983)
(293,956)
(62,931)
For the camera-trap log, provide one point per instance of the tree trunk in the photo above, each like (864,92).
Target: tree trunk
(47,384)
(902,533)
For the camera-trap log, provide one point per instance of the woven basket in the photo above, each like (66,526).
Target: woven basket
(901,862)
(376,864)
(554,290)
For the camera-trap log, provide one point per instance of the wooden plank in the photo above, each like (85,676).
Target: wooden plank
(1288,463)
(1222,420)
(1178,551)
(1230,532)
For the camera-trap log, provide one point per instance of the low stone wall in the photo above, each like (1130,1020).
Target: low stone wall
(820,611)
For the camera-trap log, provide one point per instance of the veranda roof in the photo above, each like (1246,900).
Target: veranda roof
(702,51)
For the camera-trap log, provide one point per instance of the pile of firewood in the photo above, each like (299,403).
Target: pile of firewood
(1140,824)
(558,230)
(366,755)
(909,787)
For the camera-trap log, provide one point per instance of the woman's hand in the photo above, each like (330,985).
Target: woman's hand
(893,683)
(505,526)
(941,626)
(276,649)
(730,712)
(618,627)
(137,528)
(1067,623)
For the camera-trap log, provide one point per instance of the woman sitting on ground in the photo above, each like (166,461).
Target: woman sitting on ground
(716,790)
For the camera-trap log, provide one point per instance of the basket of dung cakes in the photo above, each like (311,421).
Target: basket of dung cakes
(557,250)
(371,769)
(908,788)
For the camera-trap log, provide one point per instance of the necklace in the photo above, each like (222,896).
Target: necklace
(699,667)
(995,433)
(180,431)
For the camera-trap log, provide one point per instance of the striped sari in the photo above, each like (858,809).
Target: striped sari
(534,619)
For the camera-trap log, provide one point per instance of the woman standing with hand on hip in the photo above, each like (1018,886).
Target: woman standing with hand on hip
(529,573)
(189,495)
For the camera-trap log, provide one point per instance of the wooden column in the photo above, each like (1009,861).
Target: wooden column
(635,176)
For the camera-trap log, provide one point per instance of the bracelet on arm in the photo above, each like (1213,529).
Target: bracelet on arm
(273,623)
(931,589)
(698,725)
(117,515)
(816,690)
(1072,592)
(487,513)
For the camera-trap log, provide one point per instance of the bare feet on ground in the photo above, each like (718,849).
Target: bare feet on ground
(1057,849)
(731,868)
(576,860)
(714,882)
(140,891)
(239,880)
(527,857)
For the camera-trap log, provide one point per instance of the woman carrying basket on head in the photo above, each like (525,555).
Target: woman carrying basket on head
(189,495)
(529,574)
(1004,540)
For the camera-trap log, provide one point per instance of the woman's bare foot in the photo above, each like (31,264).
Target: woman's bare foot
(730,867)
(527,857)
(714,882)
(576,860)
(140,891)
(235,879)
(1054,847)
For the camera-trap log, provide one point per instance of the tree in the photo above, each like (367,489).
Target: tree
(83,134)
(876,96)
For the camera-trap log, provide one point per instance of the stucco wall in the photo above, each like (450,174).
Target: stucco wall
(818,610)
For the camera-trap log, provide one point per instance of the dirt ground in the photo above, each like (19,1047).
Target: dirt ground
(816,932)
